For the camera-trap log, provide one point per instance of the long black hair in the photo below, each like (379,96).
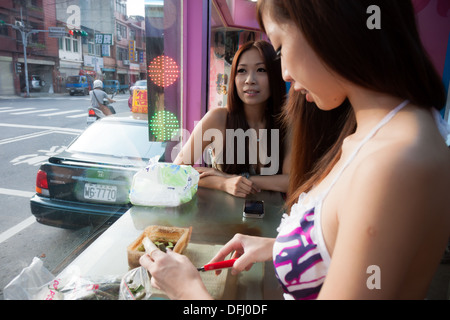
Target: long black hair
(236,116)
(389,60)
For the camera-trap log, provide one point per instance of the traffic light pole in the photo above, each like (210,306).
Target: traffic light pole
(25,43)
(25,36)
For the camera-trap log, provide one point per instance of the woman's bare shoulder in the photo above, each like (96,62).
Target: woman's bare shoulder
(417,177)
(408,162)
(216,118)
(426,157)
(218,113)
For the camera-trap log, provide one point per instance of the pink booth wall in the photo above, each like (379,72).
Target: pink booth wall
(433,18)
(194,65)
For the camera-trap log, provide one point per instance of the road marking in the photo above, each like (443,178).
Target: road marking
(17,228)
(18,193)
(69,130)
(3,108)
(58,113)
(26,136)
(78,115)
(23,109)
(32,111)
(22,225)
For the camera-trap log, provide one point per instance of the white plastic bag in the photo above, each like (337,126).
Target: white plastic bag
(164,184)
(29,283)
(35,282)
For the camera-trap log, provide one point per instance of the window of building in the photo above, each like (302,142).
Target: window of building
(121,31)
(91,48)
(3,28)
(122,54)
(121,7)
(132,34)
(68,42)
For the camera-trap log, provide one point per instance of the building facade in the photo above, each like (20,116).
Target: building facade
(109,49)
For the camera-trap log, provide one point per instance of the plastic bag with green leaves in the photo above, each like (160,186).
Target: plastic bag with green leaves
(135,285)
(164,184)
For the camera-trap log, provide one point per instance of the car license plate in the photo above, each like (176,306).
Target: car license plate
(100,192)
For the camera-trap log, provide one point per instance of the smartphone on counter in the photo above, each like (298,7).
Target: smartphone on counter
(253,209)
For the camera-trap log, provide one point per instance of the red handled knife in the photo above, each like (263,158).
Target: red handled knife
(217,265)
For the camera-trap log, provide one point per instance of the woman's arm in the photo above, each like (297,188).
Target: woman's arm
(240,186)
(233,184)
(278,182)
(247,250)
(213,122)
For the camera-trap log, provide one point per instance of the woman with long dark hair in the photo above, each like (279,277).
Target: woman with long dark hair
(368,207)
(245,140)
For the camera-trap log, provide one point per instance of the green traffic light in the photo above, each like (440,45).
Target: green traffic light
(163,125)
(2,22)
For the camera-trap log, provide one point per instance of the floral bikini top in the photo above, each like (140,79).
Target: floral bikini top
(300,256)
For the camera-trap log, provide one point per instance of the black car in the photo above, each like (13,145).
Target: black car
(91,179)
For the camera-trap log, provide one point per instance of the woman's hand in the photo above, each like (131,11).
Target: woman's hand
(233,184)
(206,171)
(175,275)
(239,186)
(247,250)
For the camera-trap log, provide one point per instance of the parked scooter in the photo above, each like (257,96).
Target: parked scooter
(95,113)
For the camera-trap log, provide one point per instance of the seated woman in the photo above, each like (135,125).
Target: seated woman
(246,140)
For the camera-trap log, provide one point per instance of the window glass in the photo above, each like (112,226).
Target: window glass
(51,53)
(68,44)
